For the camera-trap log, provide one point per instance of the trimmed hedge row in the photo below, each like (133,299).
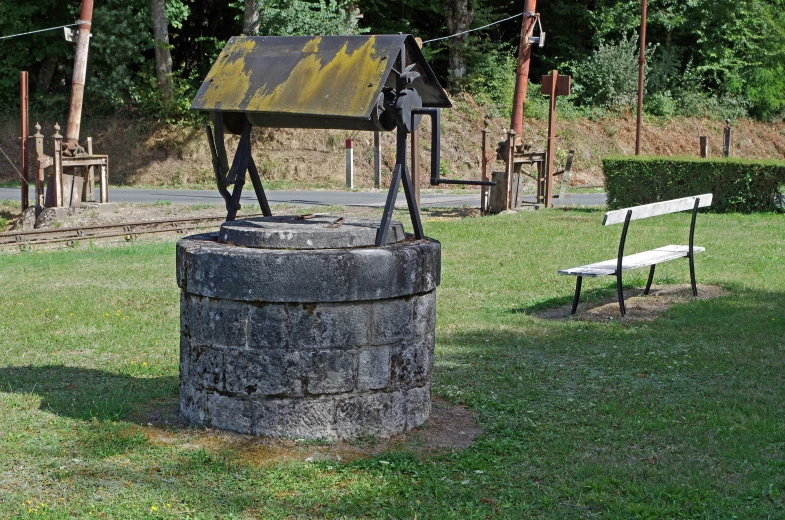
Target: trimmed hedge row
(738,185)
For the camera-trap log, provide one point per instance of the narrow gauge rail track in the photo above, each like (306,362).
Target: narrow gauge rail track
(25,240)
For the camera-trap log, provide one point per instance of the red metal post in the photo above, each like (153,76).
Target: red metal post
(80,73)
(641,73)
(522,71)
(24,135)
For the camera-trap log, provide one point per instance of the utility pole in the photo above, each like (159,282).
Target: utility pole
(522,71)
(641,73)
(80,73)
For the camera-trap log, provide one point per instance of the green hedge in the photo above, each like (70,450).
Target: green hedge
(738,185)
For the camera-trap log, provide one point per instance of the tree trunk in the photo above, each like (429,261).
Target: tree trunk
(47,72)
(459,18)
(163,58)
(251,18)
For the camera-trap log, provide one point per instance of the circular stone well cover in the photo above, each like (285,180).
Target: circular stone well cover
(322,232)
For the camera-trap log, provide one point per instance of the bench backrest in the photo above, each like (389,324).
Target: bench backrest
(658,208)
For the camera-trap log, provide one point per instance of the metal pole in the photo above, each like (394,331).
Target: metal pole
(24,135)
(349,164)
(522,71)
(80,73)
(415,153)
(641,73)
(377,159)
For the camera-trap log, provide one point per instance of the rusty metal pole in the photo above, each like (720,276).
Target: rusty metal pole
(80,73)
(24,136)
(522,71)
(641,76)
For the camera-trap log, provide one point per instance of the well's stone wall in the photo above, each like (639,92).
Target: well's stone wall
(314,343)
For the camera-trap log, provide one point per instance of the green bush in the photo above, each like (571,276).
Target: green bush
(738,185)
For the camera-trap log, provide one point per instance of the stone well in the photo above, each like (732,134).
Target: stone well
(291,328)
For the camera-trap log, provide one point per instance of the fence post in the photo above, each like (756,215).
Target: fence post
(349,164)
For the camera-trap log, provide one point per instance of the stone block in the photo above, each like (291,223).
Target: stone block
(219,322)
(295,418)
(192,402)
(391,320)
(379,414)
(373,368)
(329,371)
(418,406)
(424,314)
(411,363)
(268,326)
(263,372)
(329,325)
(207,367)
(229,413)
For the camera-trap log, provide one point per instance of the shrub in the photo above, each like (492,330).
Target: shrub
(492,82)
(609,78)
(738,185)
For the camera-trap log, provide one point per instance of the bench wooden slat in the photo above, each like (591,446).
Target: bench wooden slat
(658,208)
(638,260)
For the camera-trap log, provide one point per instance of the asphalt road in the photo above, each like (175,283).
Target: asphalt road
(310,198)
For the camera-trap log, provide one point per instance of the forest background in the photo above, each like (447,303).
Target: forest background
(721,58)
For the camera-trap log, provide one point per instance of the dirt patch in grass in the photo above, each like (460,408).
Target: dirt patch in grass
(639,307)
(450,427)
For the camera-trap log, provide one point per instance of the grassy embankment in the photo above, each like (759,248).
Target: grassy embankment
(681,416)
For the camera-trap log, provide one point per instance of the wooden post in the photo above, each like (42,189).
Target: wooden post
(510,169)
(553,85)
(41,166)
(704,143)
(483,193)
(641,77)
(349,164)
(522,70)
(89,190)
(726,139)
(415,150)
(58,177)
(377,159)
(24,136)
(551,143)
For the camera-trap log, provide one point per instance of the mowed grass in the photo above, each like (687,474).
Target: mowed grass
(680,417)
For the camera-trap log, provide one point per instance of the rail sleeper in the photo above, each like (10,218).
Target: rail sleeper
(646,258)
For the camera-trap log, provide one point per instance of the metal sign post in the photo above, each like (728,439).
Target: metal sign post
(553,85)
(24,137)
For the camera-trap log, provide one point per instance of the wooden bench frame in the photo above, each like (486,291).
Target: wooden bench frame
(647,258)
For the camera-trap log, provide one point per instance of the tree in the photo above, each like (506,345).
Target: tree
(251,17)
(459,17)
(163,58)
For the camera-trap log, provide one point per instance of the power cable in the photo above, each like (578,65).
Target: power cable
(15,168)
(38,31)
(472,30)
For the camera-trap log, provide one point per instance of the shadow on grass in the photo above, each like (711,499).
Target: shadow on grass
(85,393)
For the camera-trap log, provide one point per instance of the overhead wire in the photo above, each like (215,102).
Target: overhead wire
(476,29)
(15,168)
(38,31)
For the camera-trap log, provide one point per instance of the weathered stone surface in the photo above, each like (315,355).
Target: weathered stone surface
(229,413)
(207,367)
(330,343)
(263,372)
(329,325)
(286,232)
(329,371)
(373,368)
(378,414)
(209,268)
(418,406)
(411,363)
(269,326)
(218,322)
(295,418)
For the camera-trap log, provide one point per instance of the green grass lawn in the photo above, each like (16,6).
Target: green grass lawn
(680,417)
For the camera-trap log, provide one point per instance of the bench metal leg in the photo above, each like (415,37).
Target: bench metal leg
(648,283)
(577,295)
(622,308)
(692,276)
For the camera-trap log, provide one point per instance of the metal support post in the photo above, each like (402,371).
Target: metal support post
(548,188)
(377,159)
(415,152)
(58,160)
(80,73)
(522,70)
(350,164)
(641,76)
(24,136)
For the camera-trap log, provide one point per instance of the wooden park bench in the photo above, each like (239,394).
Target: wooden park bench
(650,258)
